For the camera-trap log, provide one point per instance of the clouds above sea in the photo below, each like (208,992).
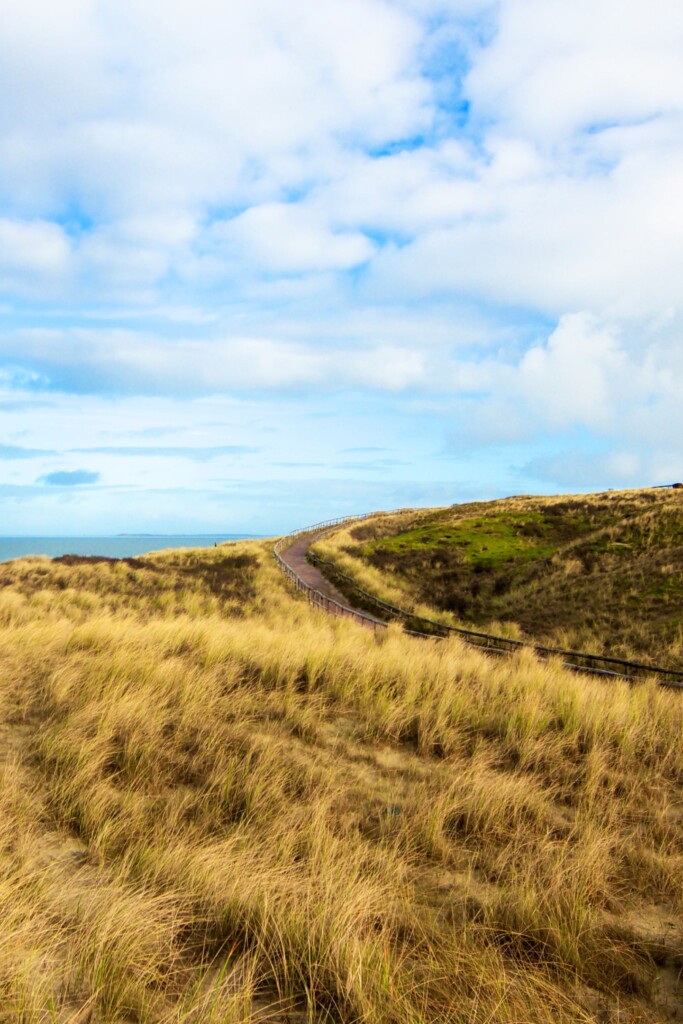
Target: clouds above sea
(450,230)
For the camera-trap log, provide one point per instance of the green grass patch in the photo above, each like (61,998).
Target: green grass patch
(595,572)
(489,540)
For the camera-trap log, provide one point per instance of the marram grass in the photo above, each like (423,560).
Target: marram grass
(591,572)
(219,805)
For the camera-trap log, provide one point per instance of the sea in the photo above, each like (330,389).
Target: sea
(121,546)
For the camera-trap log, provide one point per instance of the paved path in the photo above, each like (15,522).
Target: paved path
(295,557)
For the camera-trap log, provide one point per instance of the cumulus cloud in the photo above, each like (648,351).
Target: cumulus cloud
(217,145)
(183,99)
(554,68)
(33,255)
(468,207)
(577,376)
(554,241)
(289,238)
(586,383)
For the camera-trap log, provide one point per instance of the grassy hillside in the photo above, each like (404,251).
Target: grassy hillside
(600,572)
(219,805)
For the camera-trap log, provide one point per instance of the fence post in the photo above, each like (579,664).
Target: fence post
(579,660)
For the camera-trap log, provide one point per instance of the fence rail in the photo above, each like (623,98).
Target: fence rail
(579,661)
(315,597)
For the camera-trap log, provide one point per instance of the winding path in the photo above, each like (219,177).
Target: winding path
(290,552)
(323,594)
(295,558)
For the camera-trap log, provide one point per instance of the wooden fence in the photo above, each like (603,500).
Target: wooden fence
(417,625)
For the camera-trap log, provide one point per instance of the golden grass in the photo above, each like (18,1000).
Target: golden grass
(605,582)
(228,810)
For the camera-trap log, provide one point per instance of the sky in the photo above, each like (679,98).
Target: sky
(262,264)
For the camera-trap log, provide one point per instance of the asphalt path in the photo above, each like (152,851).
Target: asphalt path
(295,558)
(595,664)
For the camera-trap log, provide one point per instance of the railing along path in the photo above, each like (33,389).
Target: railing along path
(579,661)
(315,597)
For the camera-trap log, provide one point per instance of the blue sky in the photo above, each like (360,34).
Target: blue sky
(265,263)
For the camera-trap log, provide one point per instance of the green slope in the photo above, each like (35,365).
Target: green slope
(602,571)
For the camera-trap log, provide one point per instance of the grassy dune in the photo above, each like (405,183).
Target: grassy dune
(219,805)
(597,572)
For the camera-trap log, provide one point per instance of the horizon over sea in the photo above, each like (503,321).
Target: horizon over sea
(125,545)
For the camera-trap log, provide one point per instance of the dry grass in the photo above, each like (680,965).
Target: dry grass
(587,572)
(219,805)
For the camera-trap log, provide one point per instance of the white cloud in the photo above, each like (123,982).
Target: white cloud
(585,377)
(33,254)
(290,238)
(557,242)
(576,377)
(472,203)
(175,126)
(48,51)
(407,192)
(600,470)
(129,362)
(554,68)
(161,104)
